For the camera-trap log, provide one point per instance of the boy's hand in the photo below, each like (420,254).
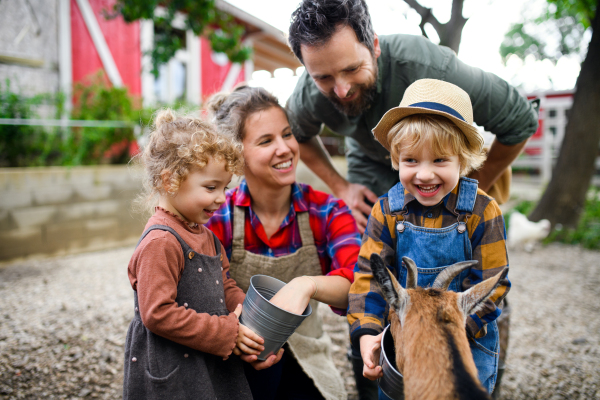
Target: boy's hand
(370,347)
(248,342)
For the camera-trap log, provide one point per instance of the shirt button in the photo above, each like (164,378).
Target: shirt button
(136,309)
(186,355)
(133,359)
(199,269)
(429,215)
(217,282)
(221,300)
(185,305)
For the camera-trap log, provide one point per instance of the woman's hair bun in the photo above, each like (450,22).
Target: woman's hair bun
(216,101)
(163,117)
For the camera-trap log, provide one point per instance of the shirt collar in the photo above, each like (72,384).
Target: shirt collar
(299,203)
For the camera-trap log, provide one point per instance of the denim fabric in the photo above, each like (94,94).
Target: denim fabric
(433,250)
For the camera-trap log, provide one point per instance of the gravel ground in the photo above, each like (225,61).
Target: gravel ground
(63,323)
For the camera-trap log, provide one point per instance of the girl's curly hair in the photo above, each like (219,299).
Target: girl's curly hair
(177,144)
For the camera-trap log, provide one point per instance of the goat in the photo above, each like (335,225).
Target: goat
(428,328)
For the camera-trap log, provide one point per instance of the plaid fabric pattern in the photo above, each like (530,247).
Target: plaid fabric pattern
(334,229)
(368,310)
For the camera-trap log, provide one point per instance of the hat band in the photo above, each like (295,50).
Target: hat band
(438,107)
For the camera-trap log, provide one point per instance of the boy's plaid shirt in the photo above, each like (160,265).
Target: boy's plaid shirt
(336,236)
(368,310)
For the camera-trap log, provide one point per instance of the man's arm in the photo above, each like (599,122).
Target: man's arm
(499,158)
(314,155)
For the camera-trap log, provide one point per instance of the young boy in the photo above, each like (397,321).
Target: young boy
(434,215)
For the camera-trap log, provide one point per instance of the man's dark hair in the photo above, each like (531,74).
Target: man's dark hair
(315,21)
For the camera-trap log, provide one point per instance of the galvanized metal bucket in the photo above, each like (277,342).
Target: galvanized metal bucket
(392,382)
(272,323)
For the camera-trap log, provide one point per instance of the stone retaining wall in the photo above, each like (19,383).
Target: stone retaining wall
(60,210)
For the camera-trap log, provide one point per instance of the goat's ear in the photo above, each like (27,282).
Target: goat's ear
(393,293)
(472,300)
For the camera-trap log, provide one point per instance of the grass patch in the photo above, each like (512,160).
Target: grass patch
(587,233)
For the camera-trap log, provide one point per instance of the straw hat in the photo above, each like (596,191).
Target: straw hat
(432,96)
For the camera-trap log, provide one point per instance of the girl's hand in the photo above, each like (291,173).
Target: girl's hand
(370,347)
(294,296)
(248,342)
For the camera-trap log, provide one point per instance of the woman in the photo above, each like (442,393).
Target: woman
(274,226)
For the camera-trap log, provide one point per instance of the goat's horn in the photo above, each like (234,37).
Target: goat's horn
(445,277)
(411,278)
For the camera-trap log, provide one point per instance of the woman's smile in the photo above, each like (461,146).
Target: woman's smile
(283,166)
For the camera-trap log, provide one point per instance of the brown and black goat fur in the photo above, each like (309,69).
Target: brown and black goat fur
(428,327)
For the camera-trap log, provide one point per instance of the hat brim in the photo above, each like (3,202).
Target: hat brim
(394,115)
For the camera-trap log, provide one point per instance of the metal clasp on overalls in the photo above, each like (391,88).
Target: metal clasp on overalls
(462,225)
(400,224)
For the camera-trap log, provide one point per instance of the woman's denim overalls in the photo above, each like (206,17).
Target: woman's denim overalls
(435,249)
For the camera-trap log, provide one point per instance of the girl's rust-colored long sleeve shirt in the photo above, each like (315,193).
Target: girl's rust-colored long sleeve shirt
(154,272)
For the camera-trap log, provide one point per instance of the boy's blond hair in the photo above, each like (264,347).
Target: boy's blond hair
(179,143)
(416,131)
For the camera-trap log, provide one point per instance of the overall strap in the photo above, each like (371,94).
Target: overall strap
(306,233)
(183,244)
(467,194)
(239,222)
(396,198)
(217,243)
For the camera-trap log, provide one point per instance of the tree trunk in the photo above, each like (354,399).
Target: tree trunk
(450,33)
(565,195)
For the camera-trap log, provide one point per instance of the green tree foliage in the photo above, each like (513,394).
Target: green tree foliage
(200,16)
(565,196)
(558,31)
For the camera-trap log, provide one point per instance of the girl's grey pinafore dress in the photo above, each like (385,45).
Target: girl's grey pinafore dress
(158,368)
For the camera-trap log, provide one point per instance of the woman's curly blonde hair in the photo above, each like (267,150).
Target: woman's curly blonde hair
(179,143)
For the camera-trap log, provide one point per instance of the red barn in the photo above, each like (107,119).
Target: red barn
(119,49)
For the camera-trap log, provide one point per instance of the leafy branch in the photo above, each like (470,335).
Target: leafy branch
(200,16)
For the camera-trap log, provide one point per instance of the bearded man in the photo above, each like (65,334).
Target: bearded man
(353,77)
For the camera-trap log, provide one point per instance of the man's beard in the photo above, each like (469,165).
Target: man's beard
(367,92)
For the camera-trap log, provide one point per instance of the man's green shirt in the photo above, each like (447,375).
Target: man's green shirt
(497,106)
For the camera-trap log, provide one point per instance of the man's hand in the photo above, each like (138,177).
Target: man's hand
(370,348)
(316,158)
(354,195)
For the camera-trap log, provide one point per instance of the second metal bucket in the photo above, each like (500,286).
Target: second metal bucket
(392,382)
(272,323)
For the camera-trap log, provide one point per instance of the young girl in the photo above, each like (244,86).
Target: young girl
(435,216)
(185,326)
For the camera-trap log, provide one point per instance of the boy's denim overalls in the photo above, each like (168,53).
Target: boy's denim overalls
(435,249)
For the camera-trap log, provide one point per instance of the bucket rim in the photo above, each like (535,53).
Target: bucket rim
(308,307)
